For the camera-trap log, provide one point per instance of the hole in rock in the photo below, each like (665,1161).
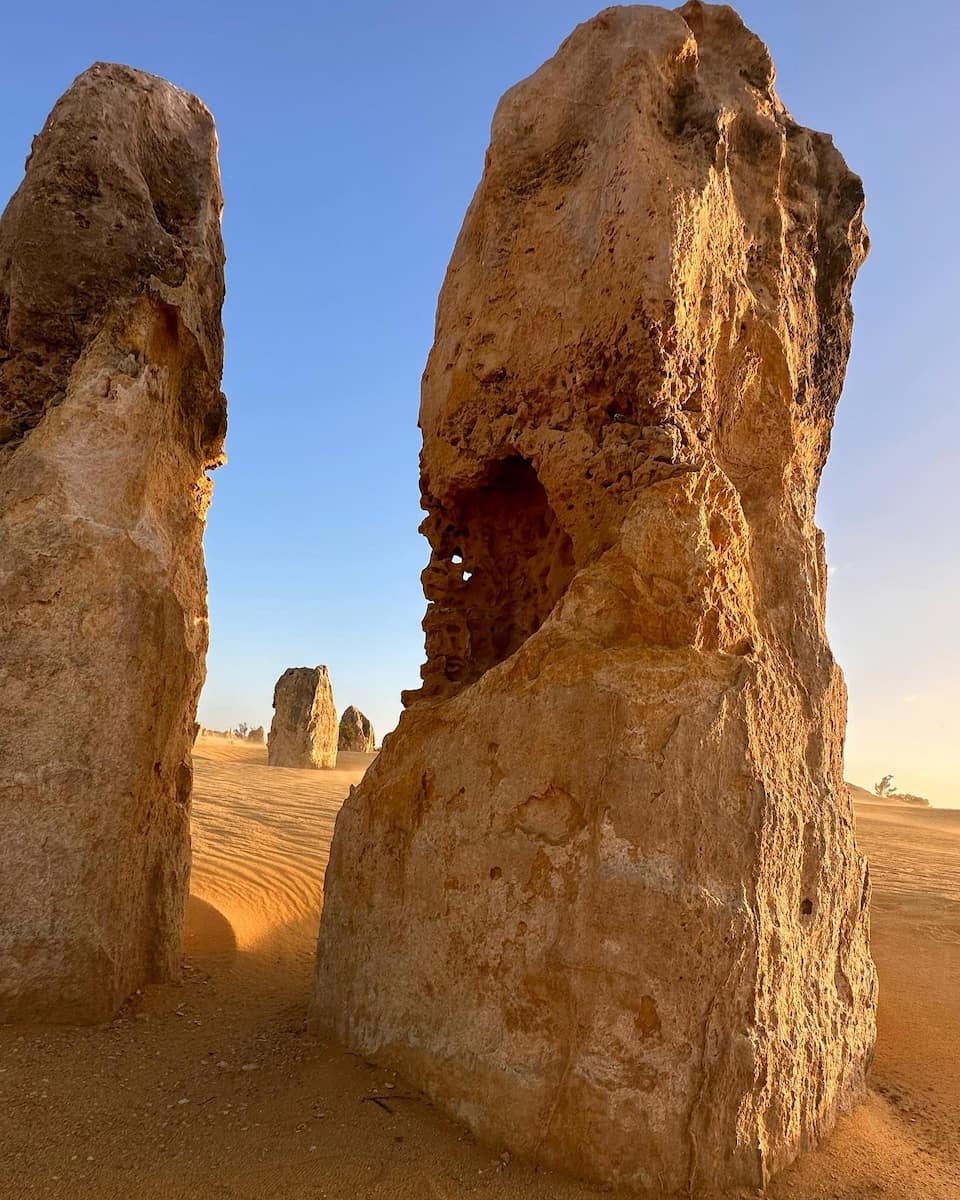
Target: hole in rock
(806,907)
(516,560)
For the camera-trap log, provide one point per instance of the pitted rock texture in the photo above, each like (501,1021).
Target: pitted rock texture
(356,732)
(304,728)
(599,895)
(111,415)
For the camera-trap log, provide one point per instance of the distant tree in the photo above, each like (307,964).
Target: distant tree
(243,729)
(885,787)
(909,798)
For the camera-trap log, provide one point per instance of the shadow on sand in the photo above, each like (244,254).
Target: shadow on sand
(207,932)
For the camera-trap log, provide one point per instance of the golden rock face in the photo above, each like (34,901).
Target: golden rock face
(599,895)
(111,414)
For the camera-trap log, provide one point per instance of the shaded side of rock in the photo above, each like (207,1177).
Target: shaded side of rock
(356,732)
(599,895)
(111,416)
(304,728)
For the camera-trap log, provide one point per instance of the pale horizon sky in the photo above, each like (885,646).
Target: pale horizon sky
(351,141)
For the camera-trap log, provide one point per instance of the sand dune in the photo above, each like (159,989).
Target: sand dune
(260,850)
(212,1089)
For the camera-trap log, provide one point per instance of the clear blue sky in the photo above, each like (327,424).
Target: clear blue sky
(352,137)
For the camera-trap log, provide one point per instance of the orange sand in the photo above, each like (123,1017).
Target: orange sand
(211,1089)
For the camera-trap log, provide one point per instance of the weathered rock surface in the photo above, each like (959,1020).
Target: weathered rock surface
(258,735)
(304,728)
(356,732)
(599,894)
(111,347)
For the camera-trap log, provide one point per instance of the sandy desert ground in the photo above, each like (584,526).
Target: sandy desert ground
(212,1089)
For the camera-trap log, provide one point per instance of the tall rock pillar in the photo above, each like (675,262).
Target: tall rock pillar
(304,729)
(111,414)
(599,895)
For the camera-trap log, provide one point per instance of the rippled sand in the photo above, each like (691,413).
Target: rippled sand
(211,1089)
(260,841)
